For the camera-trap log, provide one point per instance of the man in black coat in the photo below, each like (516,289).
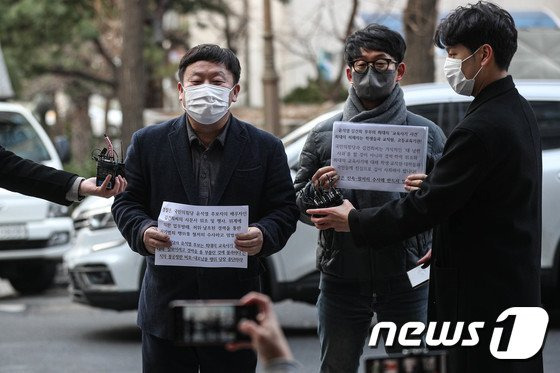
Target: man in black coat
(34,179)
(206,157)
(483,197)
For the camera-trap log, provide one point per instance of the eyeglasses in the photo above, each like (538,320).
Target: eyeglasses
(381,65)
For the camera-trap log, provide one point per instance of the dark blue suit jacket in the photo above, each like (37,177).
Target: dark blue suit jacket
(254,172)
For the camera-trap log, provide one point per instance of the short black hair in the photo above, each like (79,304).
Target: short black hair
(478,24)
(211,53)
(374,37)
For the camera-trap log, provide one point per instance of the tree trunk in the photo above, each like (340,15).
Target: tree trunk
(419,21)
(80,126)
(154,96)
(131,84)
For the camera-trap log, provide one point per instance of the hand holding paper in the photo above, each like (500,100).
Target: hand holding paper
(426,259)
(250,242)
(154,239)
(332,217)
(412,182)
(418,275)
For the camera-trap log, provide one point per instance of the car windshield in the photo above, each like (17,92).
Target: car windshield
(18,136)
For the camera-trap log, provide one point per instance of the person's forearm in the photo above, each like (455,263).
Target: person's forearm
(34,179)
(73,194)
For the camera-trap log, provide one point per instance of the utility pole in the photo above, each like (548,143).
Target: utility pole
(270,78)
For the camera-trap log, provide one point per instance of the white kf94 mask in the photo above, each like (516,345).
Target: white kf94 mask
(455,77)
(206,103)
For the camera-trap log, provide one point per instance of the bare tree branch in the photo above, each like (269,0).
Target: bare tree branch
(104,53)
(302,50)
(334,22)
(58,70)
(350,24)
(299,41)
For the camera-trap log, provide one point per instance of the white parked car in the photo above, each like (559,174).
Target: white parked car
(106,273)
(34,233)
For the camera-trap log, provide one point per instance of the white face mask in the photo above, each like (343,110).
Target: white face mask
(457,80)
(206,103)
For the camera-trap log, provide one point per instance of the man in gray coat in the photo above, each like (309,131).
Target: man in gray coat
(357,282)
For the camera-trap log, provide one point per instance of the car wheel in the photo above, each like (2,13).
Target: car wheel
(33,278)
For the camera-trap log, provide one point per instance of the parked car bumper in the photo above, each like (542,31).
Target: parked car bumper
(104,273)
(45,239)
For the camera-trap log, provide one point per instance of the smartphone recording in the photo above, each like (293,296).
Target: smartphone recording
(211,322)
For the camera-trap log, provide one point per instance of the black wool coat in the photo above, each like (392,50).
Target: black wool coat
(483,199)
(254,172)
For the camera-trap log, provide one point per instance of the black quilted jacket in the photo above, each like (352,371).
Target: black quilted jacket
(378,271)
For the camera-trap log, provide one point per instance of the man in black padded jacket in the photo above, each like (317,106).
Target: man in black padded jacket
(355,280)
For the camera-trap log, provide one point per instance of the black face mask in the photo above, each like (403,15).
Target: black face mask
(373,85)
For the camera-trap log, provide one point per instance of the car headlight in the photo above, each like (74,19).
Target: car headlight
(58,238)
(55,210)
(97,218)
(108,245)
(101,220)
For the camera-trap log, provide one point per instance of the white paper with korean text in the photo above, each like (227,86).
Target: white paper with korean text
(377,157)
(202,236)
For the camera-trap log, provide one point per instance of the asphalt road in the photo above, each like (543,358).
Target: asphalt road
(49,333)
